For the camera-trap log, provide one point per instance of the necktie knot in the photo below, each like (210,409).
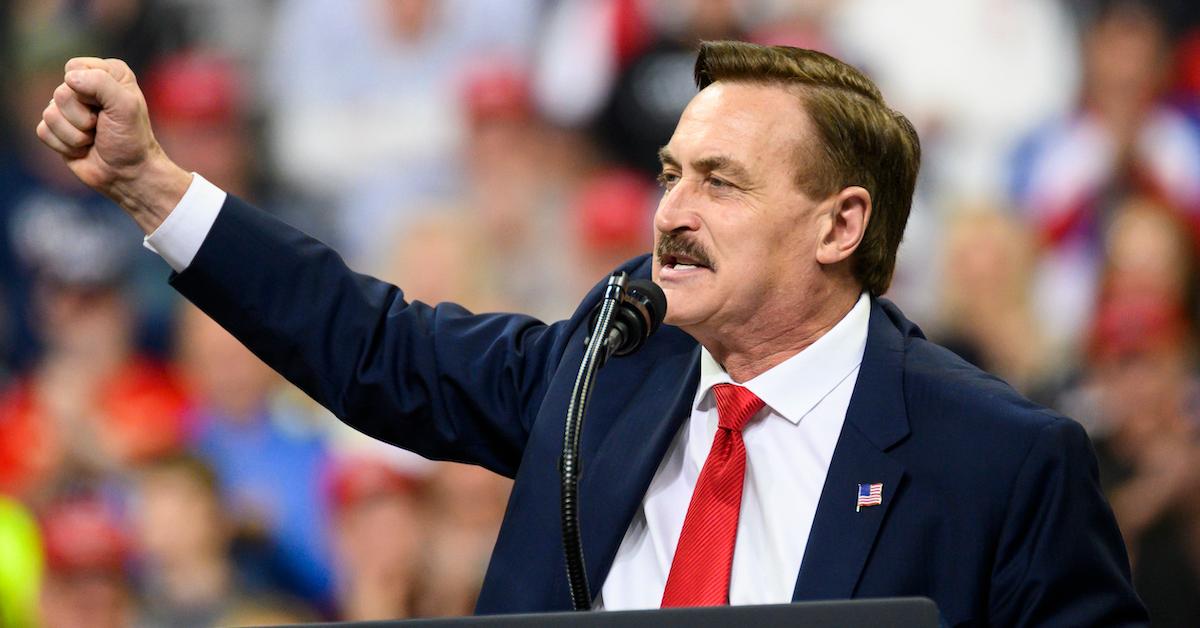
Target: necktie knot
(735,406)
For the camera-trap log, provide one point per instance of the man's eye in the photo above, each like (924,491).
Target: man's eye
(667,179)
(719,183)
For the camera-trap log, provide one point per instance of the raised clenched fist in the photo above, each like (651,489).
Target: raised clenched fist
(97,120)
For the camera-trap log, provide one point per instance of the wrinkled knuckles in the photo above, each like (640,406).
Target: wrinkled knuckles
(120,70)
(70,136)
(49,139)
(62,94)
(77,113)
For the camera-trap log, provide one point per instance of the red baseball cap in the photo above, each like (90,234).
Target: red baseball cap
(355,480)
(196,87)
(613,210)
(497,91)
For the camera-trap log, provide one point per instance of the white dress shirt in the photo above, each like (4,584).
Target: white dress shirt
(789,445)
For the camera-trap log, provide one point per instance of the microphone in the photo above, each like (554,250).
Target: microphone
(639,313)
(630,311)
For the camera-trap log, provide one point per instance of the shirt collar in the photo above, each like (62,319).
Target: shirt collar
(795,386)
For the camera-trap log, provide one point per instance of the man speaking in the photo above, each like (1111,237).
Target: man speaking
(787,435)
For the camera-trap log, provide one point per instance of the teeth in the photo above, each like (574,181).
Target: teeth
(685,266)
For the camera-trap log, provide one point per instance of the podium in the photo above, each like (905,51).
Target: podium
(909,612)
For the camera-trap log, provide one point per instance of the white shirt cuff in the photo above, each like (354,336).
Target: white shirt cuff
(180,235)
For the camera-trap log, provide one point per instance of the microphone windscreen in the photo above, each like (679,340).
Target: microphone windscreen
(652,297)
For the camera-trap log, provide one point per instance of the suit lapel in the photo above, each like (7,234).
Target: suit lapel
(622,453)
(842,536)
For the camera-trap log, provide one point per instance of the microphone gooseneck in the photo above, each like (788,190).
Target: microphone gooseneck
(629,312)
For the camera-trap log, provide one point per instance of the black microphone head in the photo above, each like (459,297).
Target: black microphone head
(652,298)
(643,307)
(639,313)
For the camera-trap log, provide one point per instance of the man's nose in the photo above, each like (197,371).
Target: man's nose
(677,210)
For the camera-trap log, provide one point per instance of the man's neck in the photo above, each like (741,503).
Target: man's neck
(759,348)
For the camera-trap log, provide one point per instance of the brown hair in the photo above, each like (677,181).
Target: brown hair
(860,141)
(189,465)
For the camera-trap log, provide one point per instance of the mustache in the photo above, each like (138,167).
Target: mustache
(682,246)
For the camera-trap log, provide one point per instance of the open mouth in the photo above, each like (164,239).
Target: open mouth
(679,262)
(681,257)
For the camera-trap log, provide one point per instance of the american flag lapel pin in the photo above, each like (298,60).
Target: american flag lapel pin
(869,495)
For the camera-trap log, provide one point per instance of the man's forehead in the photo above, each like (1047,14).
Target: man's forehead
(754,98)
(745,121)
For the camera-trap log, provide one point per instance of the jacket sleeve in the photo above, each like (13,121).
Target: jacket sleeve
(440,381)
(1060,559)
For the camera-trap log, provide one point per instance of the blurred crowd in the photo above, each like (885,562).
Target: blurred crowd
(501,154)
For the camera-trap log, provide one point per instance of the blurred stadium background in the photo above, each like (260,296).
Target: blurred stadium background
(500,154)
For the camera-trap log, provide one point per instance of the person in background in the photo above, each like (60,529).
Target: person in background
(1150,253)
(485,246)
(86,582)
(1071,175)
(377,539)
(42,31)
(334,68)
(187,576)
(265,451)
(443,254)
(1145,387)
(465,505)
(985,309)
(33,191)
(512,192)
(1139,397)
(93,403)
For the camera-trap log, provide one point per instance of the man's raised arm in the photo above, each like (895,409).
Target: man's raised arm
(440,381)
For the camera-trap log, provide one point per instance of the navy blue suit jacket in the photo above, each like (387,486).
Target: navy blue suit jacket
(991,504)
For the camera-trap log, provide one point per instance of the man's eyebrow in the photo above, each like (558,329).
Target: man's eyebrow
(725,164)
(667,159)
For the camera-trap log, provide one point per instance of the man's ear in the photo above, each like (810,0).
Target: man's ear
(847,222)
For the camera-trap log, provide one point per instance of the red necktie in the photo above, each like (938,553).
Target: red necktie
(704,557)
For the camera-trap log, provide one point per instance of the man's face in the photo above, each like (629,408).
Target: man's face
(735,237)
